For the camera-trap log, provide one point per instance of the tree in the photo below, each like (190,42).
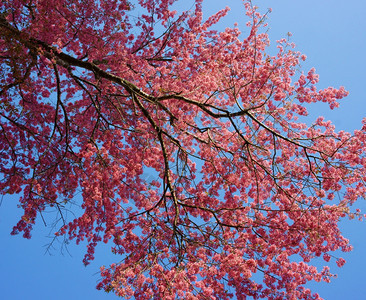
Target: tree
(242,195)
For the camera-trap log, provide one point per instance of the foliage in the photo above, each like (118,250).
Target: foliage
(95,95)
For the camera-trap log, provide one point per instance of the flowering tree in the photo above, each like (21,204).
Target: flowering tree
(94,95)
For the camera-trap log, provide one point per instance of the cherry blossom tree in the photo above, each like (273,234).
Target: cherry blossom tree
(189,147)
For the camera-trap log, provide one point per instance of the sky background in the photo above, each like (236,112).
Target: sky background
(332,36)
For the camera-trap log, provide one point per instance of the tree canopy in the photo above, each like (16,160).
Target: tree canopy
(187,149)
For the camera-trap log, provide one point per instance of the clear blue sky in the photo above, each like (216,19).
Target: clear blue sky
(333,36)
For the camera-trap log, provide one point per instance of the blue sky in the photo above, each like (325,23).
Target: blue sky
(332,35)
